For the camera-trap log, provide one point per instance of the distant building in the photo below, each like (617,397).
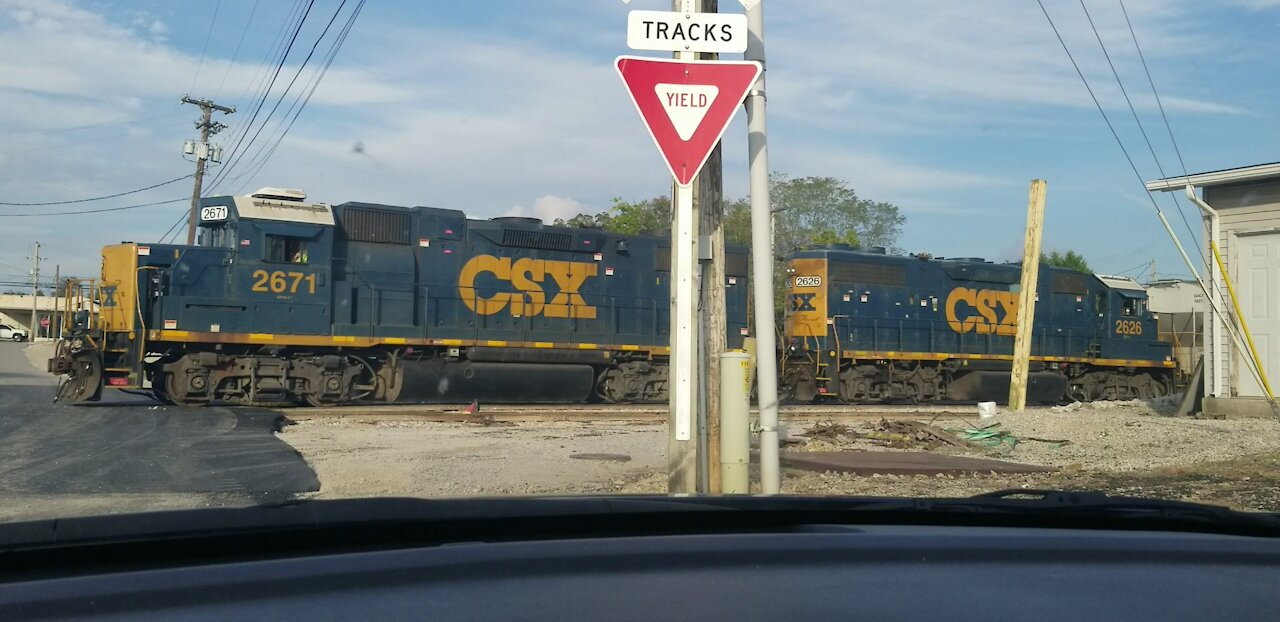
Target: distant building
(1243,216)
(1181,306)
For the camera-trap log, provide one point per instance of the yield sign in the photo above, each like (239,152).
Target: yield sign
(687,105)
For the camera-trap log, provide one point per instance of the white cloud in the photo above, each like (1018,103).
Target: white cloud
(549,208)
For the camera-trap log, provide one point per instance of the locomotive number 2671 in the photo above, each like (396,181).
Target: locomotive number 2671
(280,282)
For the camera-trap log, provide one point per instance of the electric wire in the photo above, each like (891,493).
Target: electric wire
(235,151)
(93,211)
(109,196)
(212,21)
(301,102)
(283,94)
(1172,195)
(236,54)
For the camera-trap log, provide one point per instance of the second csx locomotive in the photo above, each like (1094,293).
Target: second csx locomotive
(870,326)
(283,300)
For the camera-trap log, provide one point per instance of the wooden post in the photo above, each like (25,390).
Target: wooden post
(1027,297)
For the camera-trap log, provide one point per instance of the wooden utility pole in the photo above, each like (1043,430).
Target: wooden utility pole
(708,193)
(1027,297)
(34,330)
(202,152)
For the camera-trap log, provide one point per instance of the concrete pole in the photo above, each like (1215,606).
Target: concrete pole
(1027,297)
(735,423)
(762,261)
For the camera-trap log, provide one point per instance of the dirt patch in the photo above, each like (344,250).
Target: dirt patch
(429,459)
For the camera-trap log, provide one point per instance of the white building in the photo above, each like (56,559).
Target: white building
(1240,209)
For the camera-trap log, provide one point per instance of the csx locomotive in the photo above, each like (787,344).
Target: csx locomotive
(870,326)
(287,301)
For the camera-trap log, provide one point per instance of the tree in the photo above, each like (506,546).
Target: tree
(587,221)
(1070,260)
(808,207)
(807,210)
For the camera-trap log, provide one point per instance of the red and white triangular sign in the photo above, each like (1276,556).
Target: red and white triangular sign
(687,105)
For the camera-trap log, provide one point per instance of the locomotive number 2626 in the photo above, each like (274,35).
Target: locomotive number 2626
(279,282)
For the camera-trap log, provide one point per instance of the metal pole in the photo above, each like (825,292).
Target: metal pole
(682,447)
(762,261)
(735,423)
(1027,297)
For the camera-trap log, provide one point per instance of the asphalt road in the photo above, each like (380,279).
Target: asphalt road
(129,445)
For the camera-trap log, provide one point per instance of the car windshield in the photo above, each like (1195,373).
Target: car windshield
(261,252)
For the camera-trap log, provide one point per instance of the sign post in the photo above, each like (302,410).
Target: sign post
(687,106)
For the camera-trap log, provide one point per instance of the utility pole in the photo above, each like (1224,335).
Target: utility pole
(202,152)
(1027,297)
(35,289)
(762,260)
(53,319)
(708,193)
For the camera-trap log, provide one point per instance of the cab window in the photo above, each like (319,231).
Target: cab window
(286,249)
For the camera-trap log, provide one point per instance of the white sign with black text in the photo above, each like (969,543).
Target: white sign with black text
(670,31)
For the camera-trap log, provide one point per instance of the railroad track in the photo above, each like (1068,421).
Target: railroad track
(641,413)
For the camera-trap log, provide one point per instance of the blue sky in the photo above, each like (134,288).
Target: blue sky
(945,109)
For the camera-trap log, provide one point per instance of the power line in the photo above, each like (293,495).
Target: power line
(231,63)
(213,20)
(1096,103)
(285,93)
(1172,196)
(93,211)
(109,196)
(301,102)
(235,151)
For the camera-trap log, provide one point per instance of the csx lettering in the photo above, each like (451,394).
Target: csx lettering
(975,310)
(527,276)
(108,295)
(803,302)
(1128,327)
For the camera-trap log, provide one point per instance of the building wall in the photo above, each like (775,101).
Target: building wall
(1245,210)
(1181,306)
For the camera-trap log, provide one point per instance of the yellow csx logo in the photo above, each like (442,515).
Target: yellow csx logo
(975,310)
(527,276)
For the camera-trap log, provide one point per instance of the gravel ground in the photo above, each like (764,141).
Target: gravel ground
(409,458)
(1122,448)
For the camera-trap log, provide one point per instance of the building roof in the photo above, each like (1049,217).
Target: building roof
(1217,178)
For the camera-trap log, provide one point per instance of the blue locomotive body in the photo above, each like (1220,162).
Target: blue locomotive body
(866,326)
(284,300)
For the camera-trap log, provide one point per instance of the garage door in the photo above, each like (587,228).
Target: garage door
(1259,291)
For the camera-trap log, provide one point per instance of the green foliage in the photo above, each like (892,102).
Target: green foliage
(806,211)
(603,220)
(651,216)
(1070,260)
(807,208)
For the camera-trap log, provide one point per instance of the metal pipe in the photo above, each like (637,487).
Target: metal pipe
(735,423)
(762,261)
(1216,319)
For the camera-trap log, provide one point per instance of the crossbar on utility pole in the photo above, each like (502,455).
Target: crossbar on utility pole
(206,126)
(1027,297)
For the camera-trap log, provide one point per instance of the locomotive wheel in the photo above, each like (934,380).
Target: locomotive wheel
(84,381)
(160,387)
